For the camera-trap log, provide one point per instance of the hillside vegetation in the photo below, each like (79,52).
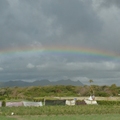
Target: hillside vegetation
(58,90)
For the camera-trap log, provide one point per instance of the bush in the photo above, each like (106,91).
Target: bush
(102,94)
(38,99)
(3,103)
(29,98)
(105,102)
(2,98)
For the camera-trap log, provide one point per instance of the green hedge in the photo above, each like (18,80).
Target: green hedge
(38,99)
(105,102)
(3,103)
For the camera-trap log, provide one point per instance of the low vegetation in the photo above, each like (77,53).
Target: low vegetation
(49,92)
(64,117)
(58,90)
(61,110)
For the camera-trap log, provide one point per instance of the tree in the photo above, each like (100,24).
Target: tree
(90,81)
(91,89)
(114,89)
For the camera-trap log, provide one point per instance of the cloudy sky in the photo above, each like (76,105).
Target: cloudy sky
(60,39)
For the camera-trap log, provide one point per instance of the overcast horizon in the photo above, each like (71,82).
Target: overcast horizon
(60,39)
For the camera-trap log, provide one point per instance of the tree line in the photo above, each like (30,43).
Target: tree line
(60,91)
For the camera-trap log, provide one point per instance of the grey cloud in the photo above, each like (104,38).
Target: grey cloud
(30,66)
(36,24)
(3,6)
(1,69)
(75,17)
(51,21)
(20,24)
(109,3)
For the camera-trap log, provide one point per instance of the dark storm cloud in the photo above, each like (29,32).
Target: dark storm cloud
(109,3)
(38,23)
(74,18)
(18,23)
(50,22)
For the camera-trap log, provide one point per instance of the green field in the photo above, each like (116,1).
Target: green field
(77,112)
(64,117)
(61,110)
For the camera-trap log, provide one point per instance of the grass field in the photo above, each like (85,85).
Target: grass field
(88,112)
(61,110)
(64,117)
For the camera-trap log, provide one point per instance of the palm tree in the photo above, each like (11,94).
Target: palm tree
(90,81)
(91,89)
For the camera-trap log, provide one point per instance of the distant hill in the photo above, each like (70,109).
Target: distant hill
(20,83)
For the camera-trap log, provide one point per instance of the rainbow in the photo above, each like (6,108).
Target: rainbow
(59,50)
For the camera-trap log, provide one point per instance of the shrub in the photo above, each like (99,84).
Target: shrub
(103,94)
(105,102)
(2,98)
(38,99)
(3,103)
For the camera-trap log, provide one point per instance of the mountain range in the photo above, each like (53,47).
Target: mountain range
(21,83)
